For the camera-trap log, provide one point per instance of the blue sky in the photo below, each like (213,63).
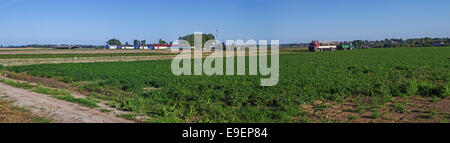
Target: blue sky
(96,21)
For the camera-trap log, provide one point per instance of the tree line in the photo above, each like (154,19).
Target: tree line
(391,43)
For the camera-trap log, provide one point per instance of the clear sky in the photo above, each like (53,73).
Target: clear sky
(96,21)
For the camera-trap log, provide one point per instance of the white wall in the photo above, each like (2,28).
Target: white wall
(128,47)
(161,47)
(112,46)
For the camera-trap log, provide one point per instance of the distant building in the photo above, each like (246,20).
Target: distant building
(112,47)
(149,46)
(438,44)
(159,46)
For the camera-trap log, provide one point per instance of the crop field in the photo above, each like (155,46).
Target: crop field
(149,88)
(73,55)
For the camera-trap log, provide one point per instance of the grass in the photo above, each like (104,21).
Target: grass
(431,114)
(127,116)
(80,101)
(50,91)
(376,114)
(353,117)
(379,74)
(41,120)
(400,108)
(14,114)
(23,85)
(105,110)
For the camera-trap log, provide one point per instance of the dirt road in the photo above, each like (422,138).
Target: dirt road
(39,51)
(58,110)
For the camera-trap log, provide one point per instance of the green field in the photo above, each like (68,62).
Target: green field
(71,55)
(149,87)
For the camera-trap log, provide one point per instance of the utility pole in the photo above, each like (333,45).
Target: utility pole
(217,34)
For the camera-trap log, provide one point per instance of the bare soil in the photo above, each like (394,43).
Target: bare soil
(19,62)
(37,51)
(414,109)
(12,114)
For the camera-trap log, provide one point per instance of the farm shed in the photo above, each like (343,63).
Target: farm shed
(160,46)
(127,47)
(150,46)
(112,47)
(437,44)
(140,47)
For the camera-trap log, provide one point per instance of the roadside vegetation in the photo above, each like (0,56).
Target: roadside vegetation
(14,114)
(378,74)
(55,93)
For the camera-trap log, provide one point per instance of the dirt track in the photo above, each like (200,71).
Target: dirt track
(58,110)
(37,51)
(19,62)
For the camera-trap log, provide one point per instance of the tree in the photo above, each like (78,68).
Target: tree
(127,43)
(114,42)
(190,38)
(143,42)
(136,42)
(162,42)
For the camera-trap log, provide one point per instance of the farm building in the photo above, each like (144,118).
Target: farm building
(150,46)
(112,47)
(127,47)
(437,44)
(158,46)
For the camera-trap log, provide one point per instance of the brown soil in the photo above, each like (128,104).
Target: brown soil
(37,51)
(19,62)
(12,114)
(401,110)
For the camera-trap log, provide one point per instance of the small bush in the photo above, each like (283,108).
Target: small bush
(376,114)
(431,114)
(353,117)
(444,90)
(410,88)
(400,108)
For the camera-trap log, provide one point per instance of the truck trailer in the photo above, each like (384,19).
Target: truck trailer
(317,46)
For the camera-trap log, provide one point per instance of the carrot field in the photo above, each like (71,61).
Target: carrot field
(149,88)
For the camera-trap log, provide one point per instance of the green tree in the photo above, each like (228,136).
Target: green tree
(190,38)
(114,42)
(162,42)
(143,42)
(136,42)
